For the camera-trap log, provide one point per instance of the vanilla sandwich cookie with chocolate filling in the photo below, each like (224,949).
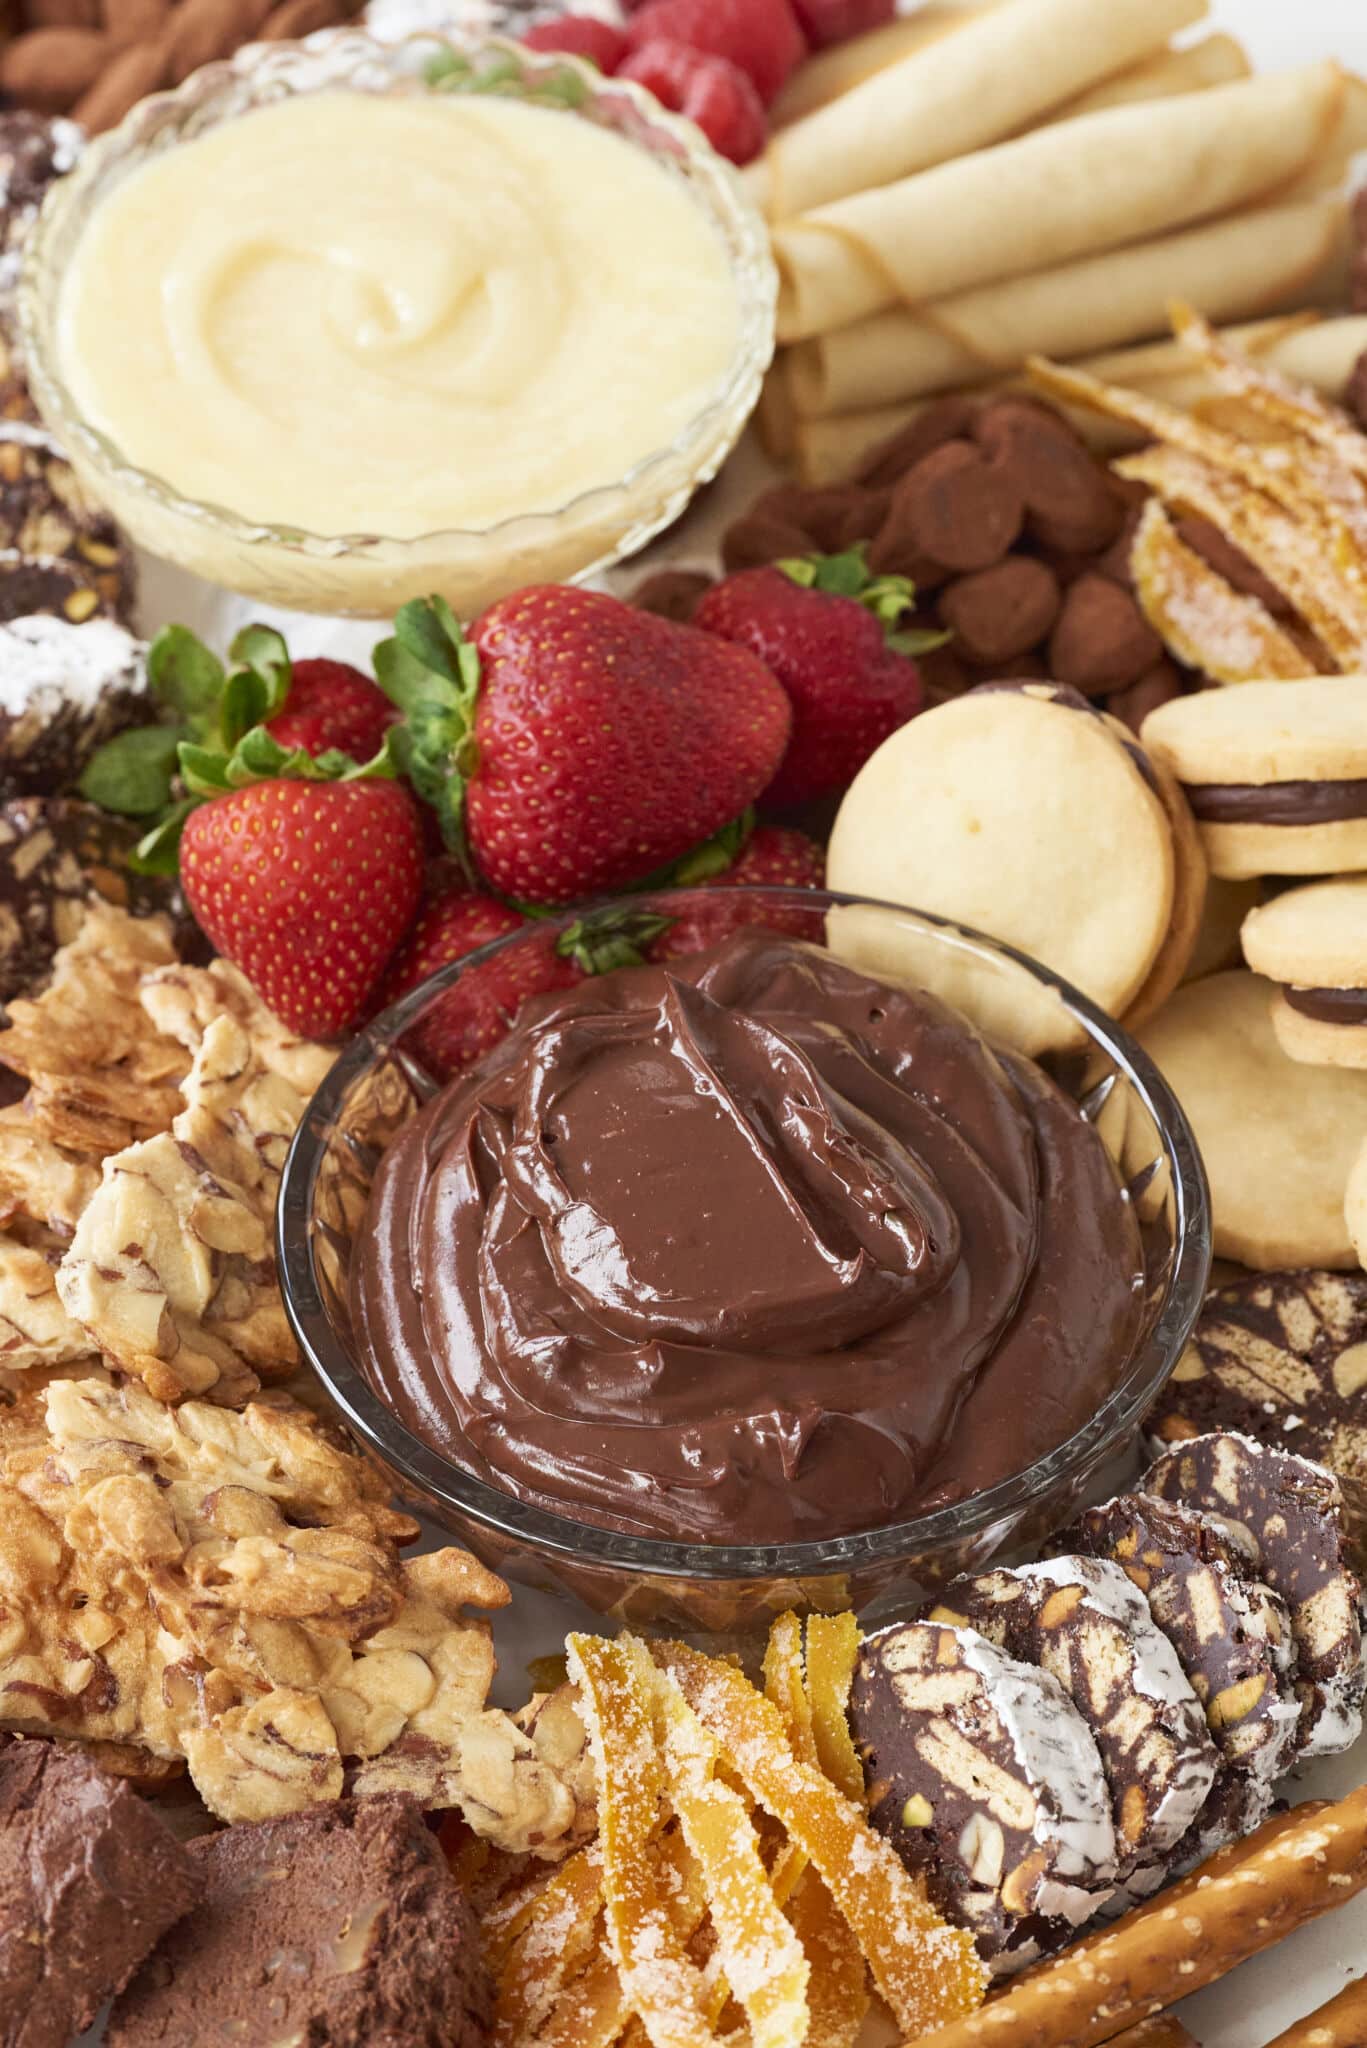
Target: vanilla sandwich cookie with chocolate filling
(1278,1138)
(1275,773)
(1281,1357)
(986,1780)
(1289,1515)
(1312,943)
(1082,1621)
(1232,1636)
(1005,809)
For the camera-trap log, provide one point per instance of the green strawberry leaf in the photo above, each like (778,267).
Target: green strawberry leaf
(889,598)
(158,851)
(263,654)
(131,774)
(713,857)
(607,939)
(918,640)
(447,68)
(184,674)
(432,673)
(244,703)
(203,770)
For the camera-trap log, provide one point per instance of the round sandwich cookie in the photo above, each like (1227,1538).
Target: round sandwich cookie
(1279,1138)
(1219,941)
(1312,942)
(1190,888)
(1275,773)
(986,1780)
(1081,1620)
(1002,809)
(1289,1517)
(1281,1357)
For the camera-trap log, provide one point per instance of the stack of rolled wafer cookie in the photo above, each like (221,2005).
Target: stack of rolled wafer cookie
(94,59)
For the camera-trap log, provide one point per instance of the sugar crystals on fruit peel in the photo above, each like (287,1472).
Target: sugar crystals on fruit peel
(927,1971)
(832,1653)
(785,1686)
(1200,617)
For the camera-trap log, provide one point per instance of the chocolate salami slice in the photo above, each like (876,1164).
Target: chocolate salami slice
(1290,1514)
(56,856)
(1082,1621)
(64,691)
(46,514)
(986,1780)
(1281,1357)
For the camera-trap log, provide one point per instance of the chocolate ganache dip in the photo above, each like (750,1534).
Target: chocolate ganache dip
(746,1248)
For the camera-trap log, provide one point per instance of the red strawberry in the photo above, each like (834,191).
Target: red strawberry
(850,682)
(713,94)
(331,704)
(773,856)
(309,887)
(579,35)
(834,21)
(471,1018)
(607,742)
(761,37)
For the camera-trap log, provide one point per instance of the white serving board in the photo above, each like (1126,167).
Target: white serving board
(1250,2008)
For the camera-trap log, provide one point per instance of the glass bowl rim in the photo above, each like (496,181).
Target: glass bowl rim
(347,48)
(584,1544)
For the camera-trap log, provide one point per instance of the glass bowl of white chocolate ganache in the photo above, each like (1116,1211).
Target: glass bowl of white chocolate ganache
(339,323)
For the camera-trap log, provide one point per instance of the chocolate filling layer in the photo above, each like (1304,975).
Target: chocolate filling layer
(1329,1005)
(1277,803)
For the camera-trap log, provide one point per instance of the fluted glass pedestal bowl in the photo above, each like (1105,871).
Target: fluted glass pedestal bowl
(376,1086)
(371,574)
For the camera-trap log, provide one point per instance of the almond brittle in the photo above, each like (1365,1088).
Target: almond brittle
(227,1589)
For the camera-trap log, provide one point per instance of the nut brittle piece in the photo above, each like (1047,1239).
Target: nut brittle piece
(171,1272)
(227,1588)
(182,1002)
(40,1183)
(35,1330)
(100,1075)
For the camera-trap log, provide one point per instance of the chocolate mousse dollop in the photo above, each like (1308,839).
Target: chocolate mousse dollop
(746,1248)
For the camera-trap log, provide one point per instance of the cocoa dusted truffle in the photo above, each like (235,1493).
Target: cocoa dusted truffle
(341,1925)
(90,1879)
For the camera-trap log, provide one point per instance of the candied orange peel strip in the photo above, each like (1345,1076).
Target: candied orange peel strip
(1202,619)
(785,1685)
(551,1939)
(928,1972)
(661,1985)
(1297,409)
(837,1991)
(760,1956)
(832,1654)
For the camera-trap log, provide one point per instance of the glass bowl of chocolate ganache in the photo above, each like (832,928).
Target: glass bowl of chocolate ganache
(814,1251)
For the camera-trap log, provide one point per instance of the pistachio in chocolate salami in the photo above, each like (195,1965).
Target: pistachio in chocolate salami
(747,1246)
(1081,1620)
(56,857)
(986,1780)
(1290,1516)
(1281,1357)
(64,690)
(1275,773)
(46,515)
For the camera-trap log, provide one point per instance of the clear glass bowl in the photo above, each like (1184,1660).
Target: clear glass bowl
(377,1084)
(370,575)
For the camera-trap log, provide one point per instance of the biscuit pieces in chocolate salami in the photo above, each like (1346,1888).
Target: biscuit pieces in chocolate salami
(342,1926)
(48,517)
(1312,942)
(985,1778)
(1290,1515)
(1080,1620)
(1275,773)
(1281,1357)
(57,856)
(1278,1138)
(942,817)
(64,690)
(90,1879)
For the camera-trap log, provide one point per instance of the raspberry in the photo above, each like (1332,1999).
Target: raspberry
(761,37)
(834,21)
(707,90)
(579,35)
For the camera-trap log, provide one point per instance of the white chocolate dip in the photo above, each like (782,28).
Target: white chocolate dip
(394,315)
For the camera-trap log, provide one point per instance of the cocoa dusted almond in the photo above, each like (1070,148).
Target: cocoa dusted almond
(1070,500)
(1102,641)
(946,419)
(999,614)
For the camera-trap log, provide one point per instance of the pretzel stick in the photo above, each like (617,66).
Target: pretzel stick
(1163,2031)
(1234,1907)
(1342,2023)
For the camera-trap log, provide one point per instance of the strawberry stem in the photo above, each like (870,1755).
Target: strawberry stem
(889,598)
(431,672)
(608,939)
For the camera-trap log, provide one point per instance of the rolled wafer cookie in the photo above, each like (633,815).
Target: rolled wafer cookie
(1290,1516)
(985,1779)
(1082,1621)
(1244,1900)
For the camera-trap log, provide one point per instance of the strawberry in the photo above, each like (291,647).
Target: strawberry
(712,93)
(760,37)
(834,21)
(308,886)
(484,1002)
(579,35)
(575,744)
(822,626)
(331,704)
(773,857)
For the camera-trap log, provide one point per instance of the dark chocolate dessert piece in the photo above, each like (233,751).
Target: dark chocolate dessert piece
(90,1879)
(64,690)
(56,856)
(46,514)
(338,1927)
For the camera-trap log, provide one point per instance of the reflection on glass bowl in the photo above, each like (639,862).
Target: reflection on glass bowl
(377,1085)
